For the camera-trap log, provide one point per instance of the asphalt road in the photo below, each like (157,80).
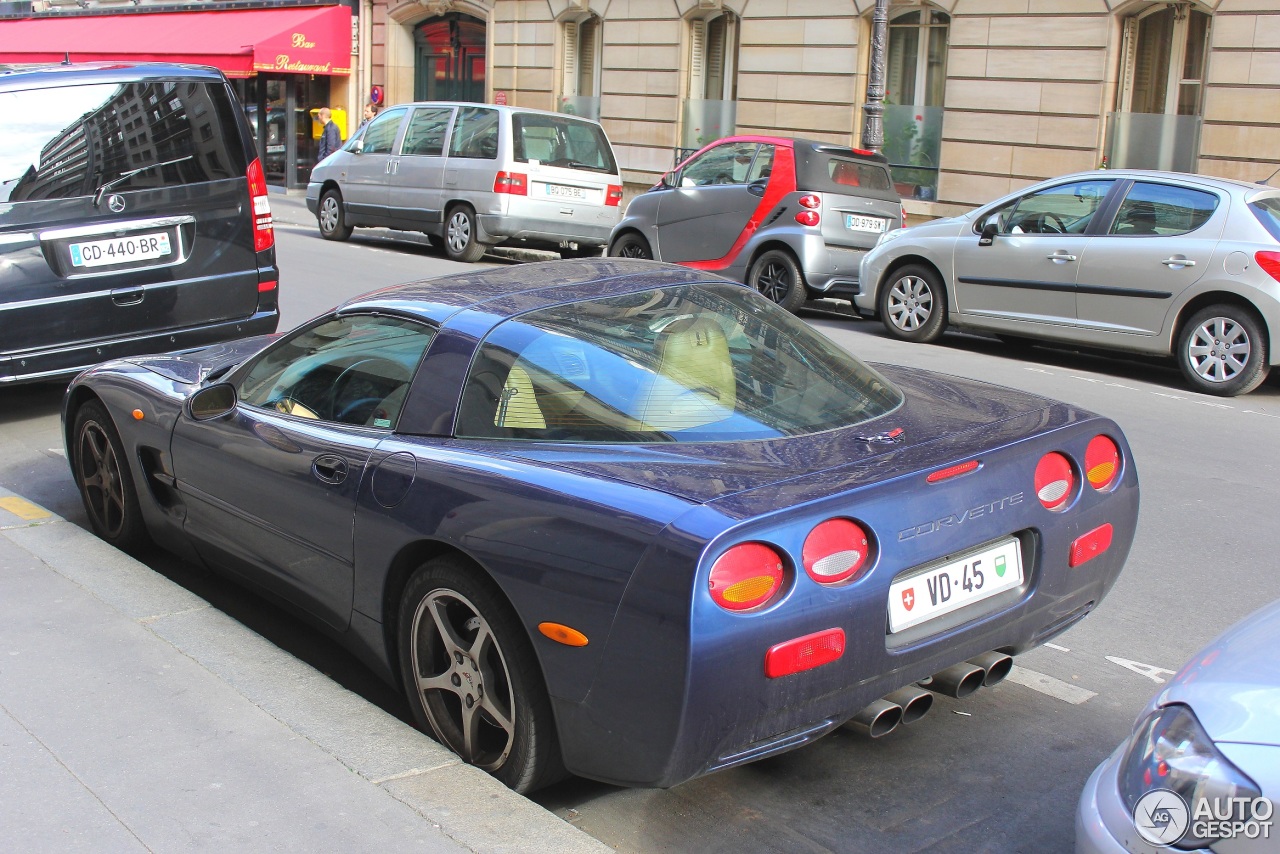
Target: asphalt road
(1000,771)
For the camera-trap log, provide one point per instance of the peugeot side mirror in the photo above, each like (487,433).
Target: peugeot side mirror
(212,402)
(989,232)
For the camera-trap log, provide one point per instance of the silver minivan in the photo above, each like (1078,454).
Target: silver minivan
(471,176)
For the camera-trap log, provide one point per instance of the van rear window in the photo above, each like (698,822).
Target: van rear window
(67,141)
(562,141)
(851,173)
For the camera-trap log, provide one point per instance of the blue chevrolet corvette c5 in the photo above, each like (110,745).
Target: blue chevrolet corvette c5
(614,517)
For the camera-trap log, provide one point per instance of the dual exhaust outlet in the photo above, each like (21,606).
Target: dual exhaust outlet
(910,704)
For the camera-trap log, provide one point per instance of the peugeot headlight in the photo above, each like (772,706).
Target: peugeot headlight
(892,234)
(1170,750)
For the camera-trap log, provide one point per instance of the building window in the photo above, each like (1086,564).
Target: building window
(581,87)
(916,79)
(710,109)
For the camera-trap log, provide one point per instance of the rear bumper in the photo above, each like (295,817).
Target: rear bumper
(499,228)
(830,270)
(68,360)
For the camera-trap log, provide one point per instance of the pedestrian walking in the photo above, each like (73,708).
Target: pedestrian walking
(330,138)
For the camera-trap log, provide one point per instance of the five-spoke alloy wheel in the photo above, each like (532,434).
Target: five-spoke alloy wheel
(105,482)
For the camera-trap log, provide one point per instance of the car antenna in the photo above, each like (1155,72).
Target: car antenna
(1268,178)
(66,60)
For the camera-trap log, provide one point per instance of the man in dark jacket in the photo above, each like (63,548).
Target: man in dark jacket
(330,138)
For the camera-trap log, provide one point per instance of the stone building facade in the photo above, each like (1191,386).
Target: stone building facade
(984,95)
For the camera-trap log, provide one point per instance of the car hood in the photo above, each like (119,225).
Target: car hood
(191,368)
(1233,684)
(943,418)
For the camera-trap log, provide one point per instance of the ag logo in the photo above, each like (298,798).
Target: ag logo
(1161,817)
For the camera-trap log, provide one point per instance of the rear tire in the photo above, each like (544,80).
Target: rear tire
(913,304)
(776,275)
(631,245)
(460,235)
(1222,350)
(471,675)
(331,218)
(105,481)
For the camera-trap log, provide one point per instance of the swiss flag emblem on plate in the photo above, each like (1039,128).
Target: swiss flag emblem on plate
(909,598)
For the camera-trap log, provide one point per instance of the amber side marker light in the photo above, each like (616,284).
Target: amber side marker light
(138,415)
(563,634)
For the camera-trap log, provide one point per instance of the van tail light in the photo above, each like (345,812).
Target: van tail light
(511,183)
(613,196)
(808,218)
(1101,462)
(903,208)
(836,550)
(1269,262)
(264,235)
(746,576)
(1054,481)
(804,653)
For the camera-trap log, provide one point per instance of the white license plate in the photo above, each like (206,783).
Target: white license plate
(876,224)
(562,192)
(120,250)
(951,586)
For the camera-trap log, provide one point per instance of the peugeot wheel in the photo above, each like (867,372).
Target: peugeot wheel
(777,275)
(913,304)
(461,235)
(106,485)
(471,676)
(631,245)
(1222,350)
(332,219)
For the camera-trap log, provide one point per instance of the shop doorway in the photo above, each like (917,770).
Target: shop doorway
(449,59)
(286,140)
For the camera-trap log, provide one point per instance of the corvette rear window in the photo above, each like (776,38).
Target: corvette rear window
(693,363)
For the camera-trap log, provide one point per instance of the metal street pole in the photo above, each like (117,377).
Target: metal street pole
(872,111)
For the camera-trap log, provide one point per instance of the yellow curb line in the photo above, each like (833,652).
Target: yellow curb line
(24,509)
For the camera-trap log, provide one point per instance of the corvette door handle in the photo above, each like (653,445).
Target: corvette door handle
(1060,256)
(329,468)
(1178,262)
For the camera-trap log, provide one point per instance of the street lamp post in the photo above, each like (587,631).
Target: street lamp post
(872,111)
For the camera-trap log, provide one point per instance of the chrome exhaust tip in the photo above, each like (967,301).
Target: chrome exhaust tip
(915,703)
(878,719)
(996,666)
(958,680)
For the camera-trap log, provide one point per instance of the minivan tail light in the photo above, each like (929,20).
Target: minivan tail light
(264,235)
(746,576)
(835,551)
(808,218)
(903,208)
(511,183)
(1054,481)
(1101,462)
(613,196)
(1269,262)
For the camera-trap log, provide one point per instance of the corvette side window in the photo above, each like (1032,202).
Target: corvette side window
(349,370)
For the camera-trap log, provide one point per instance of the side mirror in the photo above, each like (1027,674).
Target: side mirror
(212,402)
(989,232)
(358,148)
(671,179)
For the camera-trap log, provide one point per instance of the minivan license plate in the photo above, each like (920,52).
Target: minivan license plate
(948,587)
(853,222)
(562,192)
(120,250)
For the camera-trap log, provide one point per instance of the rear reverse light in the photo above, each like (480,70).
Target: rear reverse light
(1101,462)
(952,471)
(804,653)
(264,236)
(1054,481)
(808,218)
(836,550)
(1269,262)
(511,183)
(613,196)
(1091,545)
(810,201)
(746,576)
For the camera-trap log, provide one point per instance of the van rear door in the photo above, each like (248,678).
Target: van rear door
(572,173)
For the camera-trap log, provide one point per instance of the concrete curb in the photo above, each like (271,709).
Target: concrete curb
(461,802)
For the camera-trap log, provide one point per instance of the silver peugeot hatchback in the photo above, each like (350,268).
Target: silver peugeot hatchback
(471,176)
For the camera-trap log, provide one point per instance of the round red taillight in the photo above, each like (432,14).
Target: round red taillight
(808,218)
(746,576)
(836,550)
(1101,462)
(1054,481)
(810,201)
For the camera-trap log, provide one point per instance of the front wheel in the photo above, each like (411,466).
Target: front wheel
(460,236)
(1222,350)
(777,275)
(913,305)
(472,678)
(332,219)
(105,482)
(631,245)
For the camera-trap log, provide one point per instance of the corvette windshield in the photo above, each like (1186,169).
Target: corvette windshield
(694,363)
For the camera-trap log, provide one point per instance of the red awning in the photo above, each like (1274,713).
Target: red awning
(239,41)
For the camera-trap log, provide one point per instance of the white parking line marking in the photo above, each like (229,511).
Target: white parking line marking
(1058,648)
(59,451)
(1166,395)
(1148,670)
(1056,688)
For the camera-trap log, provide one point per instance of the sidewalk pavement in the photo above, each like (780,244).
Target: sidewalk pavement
(134,716)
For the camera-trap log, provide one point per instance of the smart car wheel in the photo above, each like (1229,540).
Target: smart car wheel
(1222,350)
(630,245)
(105,482)
(777,275)
(913,304)
(333,222)
(460,241)
(472,678)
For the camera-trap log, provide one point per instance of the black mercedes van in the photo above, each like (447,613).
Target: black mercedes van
(133,217)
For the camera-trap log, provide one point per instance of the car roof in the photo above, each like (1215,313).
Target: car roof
(506,291)
(811,145)
(38,76)
(1185,177)
(506,108)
